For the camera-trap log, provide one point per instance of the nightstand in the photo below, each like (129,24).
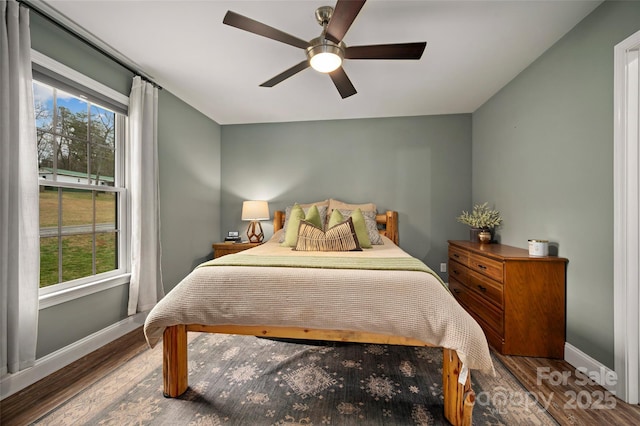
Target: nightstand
(222,249)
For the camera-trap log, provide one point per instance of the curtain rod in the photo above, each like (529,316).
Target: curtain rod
(85,38)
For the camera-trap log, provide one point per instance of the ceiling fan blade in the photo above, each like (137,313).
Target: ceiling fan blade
(386,51)
(286,74)
(235,20)
(342,82)
(343,15)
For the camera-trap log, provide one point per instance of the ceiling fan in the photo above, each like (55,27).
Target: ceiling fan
(326,53)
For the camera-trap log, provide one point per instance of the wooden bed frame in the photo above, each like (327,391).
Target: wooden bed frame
(458,399)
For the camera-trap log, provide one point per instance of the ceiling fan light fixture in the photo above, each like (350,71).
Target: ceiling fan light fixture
(325,62)
(325,56)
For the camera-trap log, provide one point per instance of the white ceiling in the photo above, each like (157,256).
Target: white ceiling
(473,49)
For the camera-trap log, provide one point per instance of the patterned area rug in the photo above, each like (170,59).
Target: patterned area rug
(246,380)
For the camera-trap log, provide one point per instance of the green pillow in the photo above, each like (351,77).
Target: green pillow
(336,218)
(297,214)
(358,223)
(313,216)
(361,228)
(291,233)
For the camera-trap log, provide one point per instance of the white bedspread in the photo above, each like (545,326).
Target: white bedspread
(401,303)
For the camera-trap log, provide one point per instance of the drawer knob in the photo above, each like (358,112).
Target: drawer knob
(456,291)
(481,266)
(456,256)
(455,271)
(482,288)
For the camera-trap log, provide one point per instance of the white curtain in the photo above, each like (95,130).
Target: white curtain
(146,287)
(19,216)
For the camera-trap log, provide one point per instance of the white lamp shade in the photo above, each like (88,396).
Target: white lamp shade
(255,210)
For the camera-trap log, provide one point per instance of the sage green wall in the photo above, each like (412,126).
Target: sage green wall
(66,323)
(419,166)
(543,155)
(57,44)
(189,152)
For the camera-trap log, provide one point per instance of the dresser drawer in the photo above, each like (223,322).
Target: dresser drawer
(458,271)
(486,266)
(485,287)
(459,255)
(490,315)
(495,340)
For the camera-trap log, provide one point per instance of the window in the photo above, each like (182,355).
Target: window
(83,232)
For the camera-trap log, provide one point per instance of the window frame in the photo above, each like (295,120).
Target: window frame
(73,289)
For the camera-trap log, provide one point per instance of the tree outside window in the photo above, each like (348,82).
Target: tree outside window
(79,195)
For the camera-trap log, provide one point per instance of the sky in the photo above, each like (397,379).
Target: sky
(43,94)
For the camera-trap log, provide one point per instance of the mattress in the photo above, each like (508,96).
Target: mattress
(378,290)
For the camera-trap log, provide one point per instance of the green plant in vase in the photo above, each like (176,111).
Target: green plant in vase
(482,221)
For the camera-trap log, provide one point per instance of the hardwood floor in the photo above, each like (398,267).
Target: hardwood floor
(43,396)
(568,396)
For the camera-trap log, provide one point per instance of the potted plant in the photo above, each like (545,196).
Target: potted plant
(482,220)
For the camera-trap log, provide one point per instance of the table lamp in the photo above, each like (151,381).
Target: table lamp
(255,211)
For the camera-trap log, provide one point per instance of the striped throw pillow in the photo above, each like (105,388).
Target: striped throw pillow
(341,237)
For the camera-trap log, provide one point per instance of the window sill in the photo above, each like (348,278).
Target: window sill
(66,295)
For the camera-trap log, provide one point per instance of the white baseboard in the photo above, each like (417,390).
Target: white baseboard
(598,372)
(12,383)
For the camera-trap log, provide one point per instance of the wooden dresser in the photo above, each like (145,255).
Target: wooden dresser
(518,300)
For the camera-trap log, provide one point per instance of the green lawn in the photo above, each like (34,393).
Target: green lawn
(77,208)
(77,250)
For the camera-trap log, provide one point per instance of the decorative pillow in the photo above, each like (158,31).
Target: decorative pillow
(294,216)
(323,203)
(370,224)
(322,209)
(335,204)
(277,235)
(313,216)
(341,237)
(335,218)
(358,223)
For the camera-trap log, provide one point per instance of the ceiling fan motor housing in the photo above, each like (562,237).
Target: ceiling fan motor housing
(324,14)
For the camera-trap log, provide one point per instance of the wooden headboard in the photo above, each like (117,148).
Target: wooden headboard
(387,224)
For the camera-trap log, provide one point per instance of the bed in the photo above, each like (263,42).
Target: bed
(274,291)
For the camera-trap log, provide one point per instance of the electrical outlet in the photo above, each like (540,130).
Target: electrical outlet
(443,267)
